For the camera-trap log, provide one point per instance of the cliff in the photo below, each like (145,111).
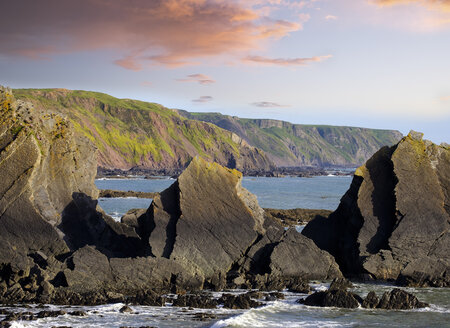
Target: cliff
(288,144)
(131,133)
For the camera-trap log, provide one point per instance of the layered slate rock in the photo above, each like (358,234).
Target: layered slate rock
(207,220)
(393,223)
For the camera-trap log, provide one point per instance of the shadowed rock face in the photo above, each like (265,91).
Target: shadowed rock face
(393,223)
(58,246)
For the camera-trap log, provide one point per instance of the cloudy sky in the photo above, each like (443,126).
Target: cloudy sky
(371,63)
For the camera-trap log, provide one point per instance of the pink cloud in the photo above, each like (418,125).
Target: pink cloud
(285,61)
(200,78)
(158,32)
(441,5)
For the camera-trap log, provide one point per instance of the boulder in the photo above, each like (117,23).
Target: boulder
(398,299)
(333,298)
(393,223)
(371,301)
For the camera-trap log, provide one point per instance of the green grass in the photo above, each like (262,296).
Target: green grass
(135,129)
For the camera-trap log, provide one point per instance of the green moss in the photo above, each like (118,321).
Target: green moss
(15,130)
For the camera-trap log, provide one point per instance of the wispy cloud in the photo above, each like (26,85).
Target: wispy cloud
(267,104)
(203,99)
(285,61)
(200,78)
(444,98)
(128,63)
(331,17)
(419,15)
(441,5)
(143,33)
(146,84)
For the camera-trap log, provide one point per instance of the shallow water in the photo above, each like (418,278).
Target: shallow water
(282,313)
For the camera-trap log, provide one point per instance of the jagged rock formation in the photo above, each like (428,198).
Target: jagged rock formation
(141,135)
(206,220)
(58,246)
(294,145)
(393,223)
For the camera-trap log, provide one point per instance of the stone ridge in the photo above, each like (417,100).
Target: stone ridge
(135,134)
(393,223)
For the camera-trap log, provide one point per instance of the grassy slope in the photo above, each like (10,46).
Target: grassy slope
(130,132)
(295,144)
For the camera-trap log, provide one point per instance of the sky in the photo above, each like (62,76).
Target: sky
(369,63)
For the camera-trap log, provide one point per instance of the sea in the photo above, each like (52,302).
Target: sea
(322,192)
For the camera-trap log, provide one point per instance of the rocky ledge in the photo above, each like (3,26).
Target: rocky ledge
(338,296)
(205,231)
(393,223)
(107,193)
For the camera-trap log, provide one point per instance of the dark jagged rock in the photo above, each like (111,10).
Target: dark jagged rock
(398,299)
(334,298)
(371,301)
(125,309)
(242,301)
(393,223)
(195,301)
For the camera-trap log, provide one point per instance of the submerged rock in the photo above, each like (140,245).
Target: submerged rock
(393,223)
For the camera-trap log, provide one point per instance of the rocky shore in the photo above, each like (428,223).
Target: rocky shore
(277,172)
(205,231)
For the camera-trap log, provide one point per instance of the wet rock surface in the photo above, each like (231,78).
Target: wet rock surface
(393,223)
(338,296)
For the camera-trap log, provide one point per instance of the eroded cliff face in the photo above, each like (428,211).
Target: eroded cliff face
(394,221)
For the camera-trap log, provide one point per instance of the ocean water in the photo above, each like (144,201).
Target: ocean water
(282,313)
(323,192)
